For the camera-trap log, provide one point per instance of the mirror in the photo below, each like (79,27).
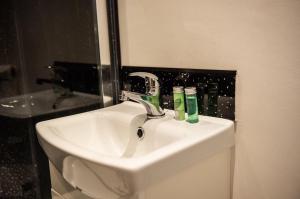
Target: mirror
(39,35)
(49,67)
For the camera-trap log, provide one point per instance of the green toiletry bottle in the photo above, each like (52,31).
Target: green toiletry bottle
(191,104)
(178,96)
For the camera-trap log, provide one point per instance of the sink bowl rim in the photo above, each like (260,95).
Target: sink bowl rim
(129,164)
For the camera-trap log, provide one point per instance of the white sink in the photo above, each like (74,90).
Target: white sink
(100,153)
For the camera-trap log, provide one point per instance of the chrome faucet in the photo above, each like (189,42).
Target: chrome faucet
(150,100)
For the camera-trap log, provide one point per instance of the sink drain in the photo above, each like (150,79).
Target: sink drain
(140,133)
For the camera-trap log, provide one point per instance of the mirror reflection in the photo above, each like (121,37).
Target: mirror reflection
(49,67)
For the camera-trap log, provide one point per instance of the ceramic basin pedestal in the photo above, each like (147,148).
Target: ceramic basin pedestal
(116,153)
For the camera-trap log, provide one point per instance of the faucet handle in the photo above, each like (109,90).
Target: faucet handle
(151,81)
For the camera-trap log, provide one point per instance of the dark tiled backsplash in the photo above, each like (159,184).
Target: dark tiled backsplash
(215,88)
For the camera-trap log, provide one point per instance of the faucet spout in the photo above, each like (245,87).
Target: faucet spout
(152,110)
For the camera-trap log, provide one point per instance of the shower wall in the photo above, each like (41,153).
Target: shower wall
(33,35)
(55,31)
(9,55)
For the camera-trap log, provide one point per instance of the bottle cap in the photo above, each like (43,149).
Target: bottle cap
(178,89)
(190,90)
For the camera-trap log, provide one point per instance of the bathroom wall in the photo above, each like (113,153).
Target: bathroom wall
(259,39)
(104,47)
(103,31)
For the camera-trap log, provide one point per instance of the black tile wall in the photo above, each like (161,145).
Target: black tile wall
(215,88)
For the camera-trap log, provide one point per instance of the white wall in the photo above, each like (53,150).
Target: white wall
(103,32)
(258,38)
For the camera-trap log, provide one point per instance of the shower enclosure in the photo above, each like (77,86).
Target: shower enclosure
(49,67)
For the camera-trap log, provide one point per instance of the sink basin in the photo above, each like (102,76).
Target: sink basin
(40,103)
(116,152)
